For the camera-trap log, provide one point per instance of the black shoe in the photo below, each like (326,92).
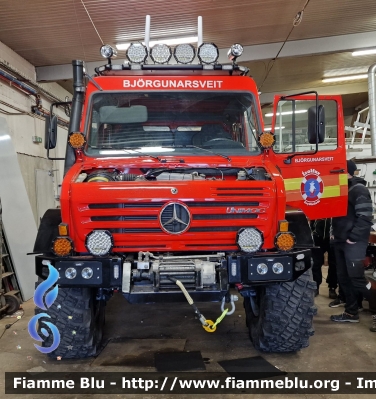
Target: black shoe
(345,318)
(332,293)
(336,303)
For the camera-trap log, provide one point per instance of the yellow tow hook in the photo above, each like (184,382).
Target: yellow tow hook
(208,325)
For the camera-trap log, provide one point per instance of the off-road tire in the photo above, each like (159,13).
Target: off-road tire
(285,315)
(79,318)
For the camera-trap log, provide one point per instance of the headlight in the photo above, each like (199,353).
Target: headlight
(250,239)
(285,241)
(70,273)
(184,53)
(62,246)
(161,53)
(208,53)
(277,268)
(99,242)
(262,268)
(107,51)
(87,272)
(137,53)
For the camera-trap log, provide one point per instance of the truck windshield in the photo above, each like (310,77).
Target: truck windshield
(172,123)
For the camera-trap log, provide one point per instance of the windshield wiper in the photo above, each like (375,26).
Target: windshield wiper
(127,149)
(204,149)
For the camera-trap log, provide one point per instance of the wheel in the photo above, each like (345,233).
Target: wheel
(280,317)
(13,303)
(79,317)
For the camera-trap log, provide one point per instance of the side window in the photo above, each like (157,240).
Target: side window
(291,128)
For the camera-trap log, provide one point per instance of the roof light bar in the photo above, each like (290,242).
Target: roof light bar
(208,53)
(169,41)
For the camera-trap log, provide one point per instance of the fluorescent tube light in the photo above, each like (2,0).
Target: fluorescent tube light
(344,78)
(268,129)
(168,41)
(364,52)
(298,111)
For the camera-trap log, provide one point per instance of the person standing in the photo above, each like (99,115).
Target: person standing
(350,239)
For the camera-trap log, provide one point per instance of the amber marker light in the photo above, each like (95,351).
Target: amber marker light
(285,241)
(62,246)
(266,140)
(283,225)
(76,140)
(63,229)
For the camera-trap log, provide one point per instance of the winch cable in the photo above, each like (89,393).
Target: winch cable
(208,325)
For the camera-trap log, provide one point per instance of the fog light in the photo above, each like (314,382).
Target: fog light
(62,246)
(250,239)
(184,53)
(262,268)
(137,53)
(277,268)
(70,273)
(160,53)
(285,241)
(208,53)
(87,273)
(99,242)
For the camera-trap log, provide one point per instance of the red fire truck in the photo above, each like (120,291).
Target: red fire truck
(175,189)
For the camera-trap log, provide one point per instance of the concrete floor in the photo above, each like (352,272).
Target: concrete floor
(333,348)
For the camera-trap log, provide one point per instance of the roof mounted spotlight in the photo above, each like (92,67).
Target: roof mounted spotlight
(161,53)
(235,51)
(208,53)
(184,53)
(108,51)
(137,53)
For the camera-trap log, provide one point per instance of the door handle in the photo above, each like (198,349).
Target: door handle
(337,171)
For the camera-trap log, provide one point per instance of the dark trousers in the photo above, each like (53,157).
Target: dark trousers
(322,246)
(350,272)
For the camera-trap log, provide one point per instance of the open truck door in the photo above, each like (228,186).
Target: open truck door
(310,152)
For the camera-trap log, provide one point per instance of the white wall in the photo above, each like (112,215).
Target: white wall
(23,127)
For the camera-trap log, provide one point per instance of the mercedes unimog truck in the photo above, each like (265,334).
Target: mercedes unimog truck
(176,190)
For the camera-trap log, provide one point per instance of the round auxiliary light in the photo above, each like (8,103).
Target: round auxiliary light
(235,51)
(99,242)
(184,53)
(277,268)
(62,246)
(262,268)
(250,239)
(208,53)
(70,273)
(161,53)
(87,272)
(137,53)
(266,140)
(108,51)
(285,241)
(76,140)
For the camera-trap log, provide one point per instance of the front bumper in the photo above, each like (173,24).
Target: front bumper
(107,272)
(243,268)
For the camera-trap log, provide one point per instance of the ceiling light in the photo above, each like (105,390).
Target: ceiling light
(344,78)
(364,52)
(169,41)
(268,129)
(298,111)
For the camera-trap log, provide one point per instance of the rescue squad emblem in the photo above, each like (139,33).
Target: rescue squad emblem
(311,187)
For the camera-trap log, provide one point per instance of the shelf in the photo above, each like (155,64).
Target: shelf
(7,274)
(13,292)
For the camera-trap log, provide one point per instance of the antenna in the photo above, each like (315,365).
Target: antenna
(199,31)
(147,31)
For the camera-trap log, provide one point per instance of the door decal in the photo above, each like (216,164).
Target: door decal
(312,187)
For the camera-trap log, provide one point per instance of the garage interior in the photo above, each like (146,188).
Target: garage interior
(290,46)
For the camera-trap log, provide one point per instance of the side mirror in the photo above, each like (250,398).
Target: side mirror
(312,124)
(50,132)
